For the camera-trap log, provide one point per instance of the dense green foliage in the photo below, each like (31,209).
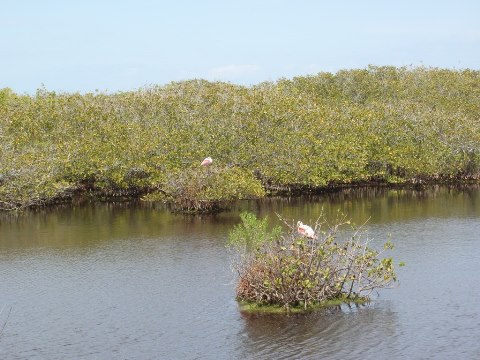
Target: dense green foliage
(200,189)
(287,269)
(382,123)
(252,233)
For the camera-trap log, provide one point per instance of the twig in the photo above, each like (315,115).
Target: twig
(6,320)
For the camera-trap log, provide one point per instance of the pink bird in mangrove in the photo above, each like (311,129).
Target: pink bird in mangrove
(207,161)
(305,230)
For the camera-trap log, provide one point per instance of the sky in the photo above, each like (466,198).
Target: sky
(89,45)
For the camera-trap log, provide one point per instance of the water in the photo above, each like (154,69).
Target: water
(125,281)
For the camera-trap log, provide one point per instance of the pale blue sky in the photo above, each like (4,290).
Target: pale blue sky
(122,45)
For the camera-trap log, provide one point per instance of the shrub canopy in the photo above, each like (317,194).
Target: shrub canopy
(380,123)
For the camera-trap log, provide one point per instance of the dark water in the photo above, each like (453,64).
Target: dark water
(135,282)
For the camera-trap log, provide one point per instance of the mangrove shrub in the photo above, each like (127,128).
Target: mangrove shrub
(207,189)
(381,124)
(283,268)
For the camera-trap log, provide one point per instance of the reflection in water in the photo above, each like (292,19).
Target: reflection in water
(320,334)
(91,225)
(66,226)
(135,281)
(378,205)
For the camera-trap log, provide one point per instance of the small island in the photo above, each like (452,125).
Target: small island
(298,271)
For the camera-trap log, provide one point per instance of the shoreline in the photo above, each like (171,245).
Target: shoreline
(253,308)
(92,195)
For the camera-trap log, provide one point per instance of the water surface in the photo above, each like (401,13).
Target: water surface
(126,281)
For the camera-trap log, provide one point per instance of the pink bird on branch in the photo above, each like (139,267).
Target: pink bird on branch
(207,161)
(305,230)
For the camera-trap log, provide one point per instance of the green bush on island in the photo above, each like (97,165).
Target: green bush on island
(380,124)
(285,270)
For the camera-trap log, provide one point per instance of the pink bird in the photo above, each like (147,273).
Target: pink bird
(207,161)
(305,230)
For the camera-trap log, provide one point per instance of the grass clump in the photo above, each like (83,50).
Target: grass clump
(282,269)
